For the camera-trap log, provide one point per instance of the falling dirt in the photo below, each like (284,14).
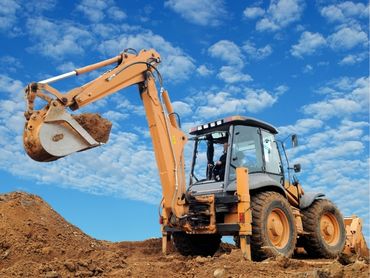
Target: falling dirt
(35,241)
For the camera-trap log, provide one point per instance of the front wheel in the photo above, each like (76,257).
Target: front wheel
(325,227)
(273,226)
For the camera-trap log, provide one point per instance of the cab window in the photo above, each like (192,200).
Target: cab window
(271,153)
(246,150)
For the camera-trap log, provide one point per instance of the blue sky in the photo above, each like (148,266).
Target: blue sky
(300,65)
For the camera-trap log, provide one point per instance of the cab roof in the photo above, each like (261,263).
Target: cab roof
(225,123)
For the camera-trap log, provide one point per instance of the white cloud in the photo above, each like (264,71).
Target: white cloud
(344,83)
(352,59)
(214,104)
(107,30)
(344,11)
(279,90)
(331,108)
(182,108)
(301,127)
(14,12)
(63,38)
(66,67)
(201,12)
(349,99)
(176,65)
(343,150)
(35,6)
(123,104)
(9,85)
(280,14)
(308,43)
(233,74)
(255,53)
(348,37)
(231,54)
(343,86)
(96,10)
(203,70)
(253,12)
(227,51)
(347,131)
(360,92)
(10,63)
(8,14)
(115,117)
(308,69)
(257,100)
(116,13)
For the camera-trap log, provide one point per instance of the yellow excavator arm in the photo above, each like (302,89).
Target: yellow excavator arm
(51,132)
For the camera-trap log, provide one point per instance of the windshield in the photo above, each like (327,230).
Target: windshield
(246,150)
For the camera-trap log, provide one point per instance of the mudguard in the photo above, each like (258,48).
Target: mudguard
(308,198)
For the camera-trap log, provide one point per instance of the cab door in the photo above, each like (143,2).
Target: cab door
(271,157)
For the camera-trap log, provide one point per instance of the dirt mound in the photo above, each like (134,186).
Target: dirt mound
(35,241)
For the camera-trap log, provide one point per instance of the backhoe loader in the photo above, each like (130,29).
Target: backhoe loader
(250,195)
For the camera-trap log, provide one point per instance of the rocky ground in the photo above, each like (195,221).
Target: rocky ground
(35,241)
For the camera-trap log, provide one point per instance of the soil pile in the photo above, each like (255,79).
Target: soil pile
(35,241)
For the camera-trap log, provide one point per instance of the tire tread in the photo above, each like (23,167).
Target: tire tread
(259,239)
(313,243)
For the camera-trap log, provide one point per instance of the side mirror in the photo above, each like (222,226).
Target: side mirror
(297,168)
(294,140)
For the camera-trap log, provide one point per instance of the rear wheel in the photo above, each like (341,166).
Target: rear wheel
(273,226)
(196,245)
(325,227)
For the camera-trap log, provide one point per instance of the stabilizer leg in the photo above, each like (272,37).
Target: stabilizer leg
(244,212)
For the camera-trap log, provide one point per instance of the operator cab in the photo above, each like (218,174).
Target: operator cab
(243,142)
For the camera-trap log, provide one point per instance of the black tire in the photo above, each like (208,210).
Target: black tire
(266,241)
(196,245)
(322,241)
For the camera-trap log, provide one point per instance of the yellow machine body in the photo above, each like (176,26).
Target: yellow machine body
(52,133)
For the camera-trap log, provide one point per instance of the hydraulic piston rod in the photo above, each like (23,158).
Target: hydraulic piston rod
(83,70)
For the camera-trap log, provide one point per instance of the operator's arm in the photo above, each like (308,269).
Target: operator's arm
(222,160)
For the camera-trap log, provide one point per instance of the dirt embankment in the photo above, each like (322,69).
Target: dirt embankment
(35,241)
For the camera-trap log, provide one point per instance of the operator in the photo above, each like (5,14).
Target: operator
(219,170)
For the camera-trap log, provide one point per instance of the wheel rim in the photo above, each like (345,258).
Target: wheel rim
(329,229)
(278,228)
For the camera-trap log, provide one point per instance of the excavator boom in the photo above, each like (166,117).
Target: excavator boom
(51,132)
